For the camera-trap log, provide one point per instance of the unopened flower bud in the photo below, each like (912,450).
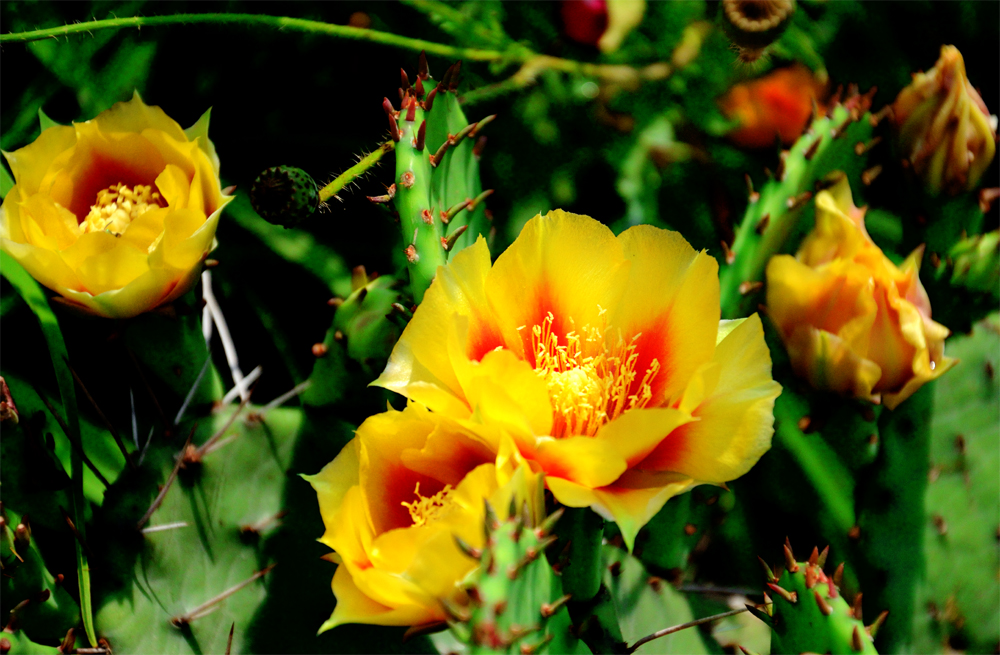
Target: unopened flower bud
(943,127)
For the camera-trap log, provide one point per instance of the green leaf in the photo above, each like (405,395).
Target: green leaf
(6,181)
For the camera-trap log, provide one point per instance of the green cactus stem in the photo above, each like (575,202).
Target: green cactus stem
(964,284)
(808,614)
(516,601)
(834,142)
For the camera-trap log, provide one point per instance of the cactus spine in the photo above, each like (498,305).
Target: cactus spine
(837,141)
(808,613)
(516,602)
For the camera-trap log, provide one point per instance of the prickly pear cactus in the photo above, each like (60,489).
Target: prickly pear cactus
(808,614)
(436,190)
(965,284)
(516,600)
(835,142)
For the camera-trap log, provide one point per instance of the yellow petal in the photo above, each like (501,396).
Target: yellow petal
(31,163)
(735,422)
(566,264)
(587,461)
(828,363)
(45,266)
(135,116)
(353,606)
(672,301)
(636,433)
(103,263)
(333,481)
(175,186)
(46,224)
(421,355)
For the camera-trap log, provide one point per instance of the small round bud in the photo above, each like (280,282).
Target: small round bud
(284,195)
(752,25)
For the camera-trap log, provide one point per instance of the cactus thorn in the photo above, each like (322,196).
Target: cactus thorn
(821,560)
(767,570)
(762,224)
(455,611)
(427,216)
(419,88)
(500,607)
(744,650)
(449,242)
(856,644)
(748,287)
(421,137)
(811,150)
(814,556)
(468,549)
(445,82)
(544,543)
(478,199)
(490,519)
(549,523)
(872,630)
(839,130)
(790,563)
(790,596)
(478,126)
(811,577)
(411,111)
(209,605)
(727,252)
(435,159)
(548,609)
(456,71)
(760,614)
(824,606)
(429,100)
(753,196)
(794,202)
(861,147)
(882,113)
(388,108)
(411,254)
(530,649)
(404,80)
(831,589)
(781,165)
(477,150)
(856,607)
(869,175)
(393,128)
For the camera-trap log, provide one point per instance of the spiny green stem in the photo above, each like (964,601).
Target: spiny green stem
(283,23)
(352,173)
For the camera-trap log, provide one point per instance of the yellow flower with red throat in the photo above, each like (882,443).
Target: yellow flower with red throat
(115,214)
(603,357)
(854,322)
(393,502)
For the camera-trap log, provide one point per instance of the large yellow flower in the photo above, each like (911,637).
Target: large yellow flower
(115,214)
(393,501)
(854,322)
(604,358)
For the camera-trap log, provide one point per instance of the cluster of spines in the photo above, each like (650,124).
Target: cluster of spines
(835,143)
(427,207)
(515,602)
(808,613)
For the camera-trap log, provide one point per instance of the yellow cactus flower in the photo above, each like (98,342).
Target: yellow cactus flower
(603,357)
(944,128)
(115,214)
(854,322)
(393,501)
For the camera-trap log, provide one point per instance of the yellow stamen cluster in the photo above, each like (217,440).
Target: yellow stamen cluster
(426,509)
(589,376)
(117,206)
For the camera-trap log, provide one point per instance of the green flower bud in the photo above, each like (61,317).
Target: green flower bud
(284,195)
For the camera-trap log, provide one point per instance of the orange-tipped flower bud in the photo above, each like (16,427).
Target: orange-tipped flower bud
(943,127)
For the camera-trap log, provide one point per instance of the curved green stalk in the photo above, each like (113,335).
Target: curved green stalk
(364,165)
(283,23)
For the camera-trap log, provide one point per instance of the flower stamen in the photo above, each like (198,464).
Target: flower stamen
(589,376)
(119,205)
(426,509)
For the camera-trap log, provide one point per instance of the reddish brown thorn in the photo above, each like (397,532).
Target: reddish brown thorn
(811,150)
(854,533)
(814,556)
(838,575)
(877,117)
(229,644)
(418,143)
(429,101)
(810,576)
(729,255)
(393,128)
(170,480)
(549,609)
(767,570)
(753,196)
(411,111)
(404,80)
(794,202)
(388,108)
(423,72)
(335,302)
(872,630)
(319,350)
(869,175)
(856,607)
(449,242)
(790,596)
(804,423)
(204,608)
(477,150)
(824,606)
(762,224)
(821,560)
(749,287)
(790,563)
(856,644)
(426,216)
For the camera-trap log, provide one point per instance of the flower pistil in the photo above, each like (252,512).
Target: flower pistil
(117,206)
